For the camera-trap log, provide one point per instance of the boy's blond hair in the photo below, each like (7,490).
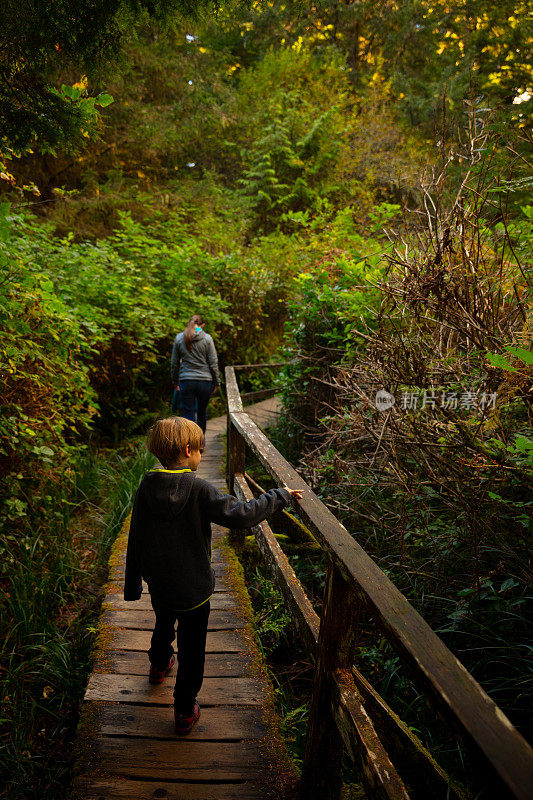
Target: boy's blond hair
(168,437)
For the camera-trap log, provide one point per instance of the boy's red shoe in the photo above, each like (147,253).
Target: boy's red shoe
(183,723)
(158,675)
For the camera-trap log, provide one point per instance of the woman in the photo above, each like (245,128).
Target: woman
(194,370)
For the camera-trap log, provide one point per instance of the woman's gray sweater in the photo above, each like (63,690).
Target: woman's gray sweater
(200,363)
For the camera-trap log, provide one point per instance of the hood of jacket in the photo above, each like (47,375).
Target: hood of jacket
(166,491)
(196,337)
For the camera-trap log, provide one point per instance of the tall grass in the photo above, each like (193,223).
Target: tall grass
(49,601)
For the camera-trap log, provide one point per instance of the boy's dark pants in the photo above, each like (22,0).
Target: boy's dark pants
(191,636)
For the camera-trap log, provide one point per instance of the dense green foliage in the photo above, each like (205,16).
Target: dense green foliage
(437,488)
(51,590)
(40,45)
(257,167)
(421,50)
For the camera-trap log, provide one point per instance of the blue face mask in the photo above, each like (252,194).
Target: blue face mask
(197,329)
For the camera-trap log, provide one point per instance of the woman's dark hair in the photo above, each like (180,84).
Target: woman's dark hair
(195,320)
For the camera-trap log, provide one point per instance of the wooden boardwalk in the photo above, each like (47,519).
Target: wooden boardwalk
(126,743)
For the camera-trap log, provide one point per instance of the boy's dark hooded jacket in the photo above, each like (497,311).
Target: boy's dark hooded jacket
(169,543)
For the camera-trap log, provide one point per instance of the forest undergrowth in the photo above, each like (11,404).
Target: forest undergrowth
(51,593)
(411,418)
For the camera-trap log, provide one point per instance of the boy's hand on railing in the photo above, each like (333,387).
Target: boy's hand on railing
(296,494)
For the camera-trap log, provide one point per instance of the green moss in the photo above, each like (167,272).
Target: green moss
(273,747)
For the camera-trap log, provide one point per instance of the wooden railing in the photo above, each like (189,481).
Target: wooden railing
(346,712)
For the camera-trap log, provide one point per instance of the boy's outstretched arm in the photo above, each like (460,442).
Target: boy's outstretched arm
(225,509)
(133,585)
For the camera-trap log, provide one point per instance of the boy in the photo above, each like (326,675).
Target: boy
(169,546)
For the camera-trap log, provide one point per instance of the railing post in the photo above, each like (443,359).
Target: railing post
(234,442)
(228,437)
(236,449)
(322,767)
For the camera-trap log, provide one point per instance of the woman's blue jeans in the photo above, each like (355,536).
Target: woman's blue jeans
(194,395)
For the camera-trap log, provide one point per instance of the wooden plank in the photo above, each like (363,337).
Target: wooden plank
(218,557)
(254,366)
(454,691)
(219,601)
(380,779)
(219,620)
(116,573)
(124,789)
(136,689)
(302,612)
(218,723)
(179,759)
(135,662)
(217,641)
(416,765)
(259,394)
(116,587)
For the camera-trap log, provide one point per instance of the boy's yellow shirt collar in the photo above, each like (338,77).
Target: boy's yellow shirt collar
(162,469)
